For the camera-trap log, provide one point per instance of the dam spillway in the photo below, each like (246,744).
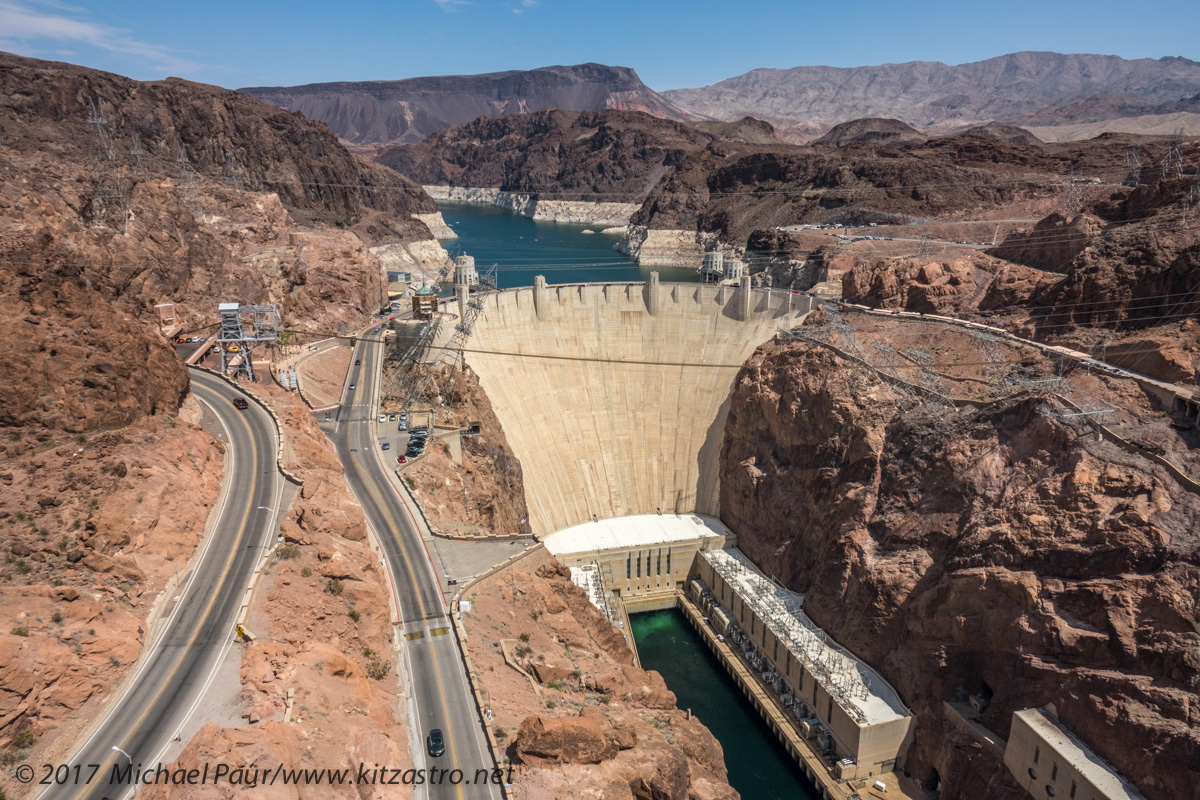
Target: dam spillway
(614,396)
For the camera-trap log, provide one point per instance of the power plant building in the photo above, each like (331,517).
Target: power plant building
(1051,762)
(642,559)
(842,704)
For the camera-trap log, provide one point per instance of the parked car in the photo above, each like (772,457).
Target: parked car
(403,426)
(241,403)
(181,340)
(402,459)
(383,417)
(435,743)
(385,446)
(403,415)
(391,417)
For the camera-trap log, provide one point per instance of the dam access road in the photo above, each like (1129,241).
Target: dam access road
(439,688)
(174,669)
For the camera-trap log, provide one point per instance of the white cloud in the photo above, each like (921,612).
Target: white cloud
(451,5)
(31,22)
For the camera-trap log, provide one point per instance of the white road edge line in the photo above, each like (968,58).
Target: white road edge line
(148,652)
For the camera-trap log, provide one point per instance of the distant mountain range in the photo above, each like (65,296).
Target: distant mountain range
(1031,89)
(1035,88)
(406,111)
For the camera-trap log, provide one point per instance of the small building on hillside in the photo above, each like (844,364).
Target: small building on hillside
(424,303)
(1051,762)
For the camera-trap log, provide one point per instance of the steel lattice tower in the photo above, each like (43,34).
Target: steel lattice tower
(245,327)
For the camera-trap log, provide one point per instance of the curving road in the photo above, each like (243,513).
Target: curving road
(172,675)
(439,686)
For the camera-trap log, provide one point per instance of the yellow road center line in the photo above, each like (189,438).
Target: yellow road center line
(204,617)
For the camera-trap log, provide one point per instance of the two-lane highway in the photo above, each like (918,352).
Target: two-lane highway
(173,674)
(443,697)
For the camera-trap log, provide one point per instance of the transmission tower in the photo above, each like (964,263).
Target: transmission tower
(1172,163)
(1,136)
(1072,199)
(138,155)
(232,177)
(104,145)
(243,328)
(946,158)
(925,248)
(107,189)
(1193,198)
(187,178)
(186,184)
(870,150)
(1133,164)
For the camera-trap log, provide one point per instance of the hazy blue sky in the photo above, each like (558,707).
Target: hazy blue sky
(670,43)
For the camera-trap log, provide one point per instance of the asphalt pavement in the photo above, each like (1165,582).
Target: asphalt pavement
(439,687)
(171,677)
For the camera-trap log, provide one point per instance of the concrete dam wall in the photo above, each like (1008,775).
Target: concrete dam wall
(621,410)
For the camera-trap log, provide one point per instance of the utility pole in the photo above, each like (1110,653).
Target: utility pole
(1133,164)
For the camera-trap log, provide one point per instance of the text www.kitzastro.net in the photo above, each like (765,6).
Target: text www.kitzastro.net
(251,776)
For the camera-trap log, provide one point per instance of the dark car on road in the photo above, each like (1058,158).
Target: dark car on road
(240,402)
(435,742)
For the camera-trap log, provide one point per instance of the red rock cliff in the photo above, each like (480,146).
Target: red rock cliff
(992,551)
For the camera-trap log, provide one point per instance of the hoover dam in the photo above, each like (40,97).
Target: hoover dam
(614,396)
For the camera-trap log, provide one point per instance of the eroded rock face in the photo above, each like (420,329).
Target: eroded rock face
(962,281)
(1053,243)
(990,551)
(570,707)
(79,279)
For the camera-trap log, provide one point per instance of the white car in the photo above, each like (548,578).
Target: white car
(383,417)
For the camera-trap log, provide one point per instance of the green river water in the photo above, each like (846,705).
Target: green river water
(759,767)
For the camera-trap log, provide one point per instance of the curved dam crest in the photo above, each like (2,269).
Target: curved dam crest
(623,410)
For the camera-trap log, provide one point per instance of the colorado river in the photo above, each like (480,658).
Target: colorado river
(523,248)
(759,767)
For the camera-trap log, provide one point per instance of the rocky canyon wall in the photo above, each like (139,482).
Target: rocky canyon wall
(992,551)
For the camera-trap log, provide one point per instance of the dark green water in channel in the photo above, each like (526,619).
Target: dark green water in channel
(523,248)
(759,767)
